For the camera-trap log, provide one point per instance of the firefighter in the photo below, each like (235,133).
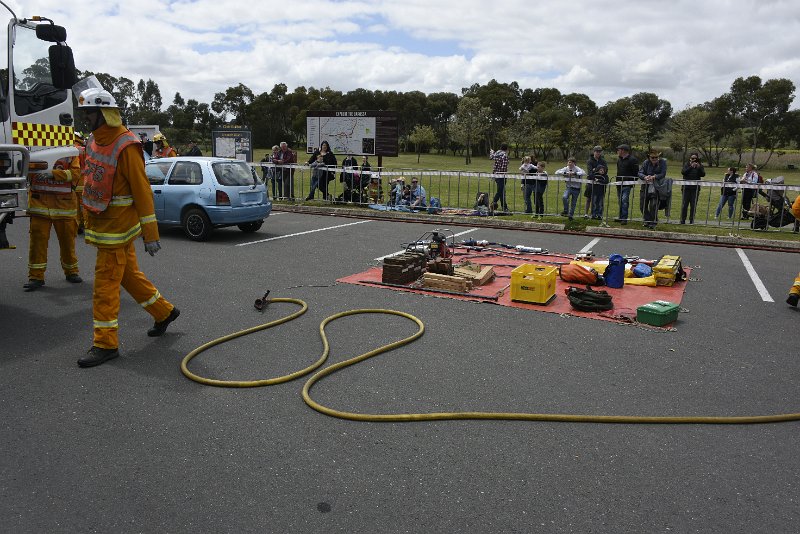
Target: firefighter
(80,144)
(794,292)
(52,203)
(119,207)
(163,150)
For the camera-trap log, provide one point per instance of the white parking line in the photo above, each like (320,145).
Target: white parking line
(300,233)
(762,290)
(588,247)
(402,251)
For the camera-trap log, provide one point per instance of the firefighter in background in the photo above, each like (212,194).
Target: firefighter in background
(794,292)
(80,144)
(162,150)
(52,203)
(119,207)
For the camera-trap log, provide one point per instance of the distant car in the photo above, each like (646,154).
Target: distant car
(199,194)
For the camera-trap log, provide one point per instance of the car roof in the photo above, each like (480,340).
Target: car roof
(211,159)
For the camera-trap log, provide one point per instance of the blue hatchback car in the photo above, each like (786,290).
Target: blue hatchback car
(199,194)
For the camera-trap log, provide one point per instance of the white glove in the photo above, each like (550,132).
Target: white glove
(152,247)
(46,175)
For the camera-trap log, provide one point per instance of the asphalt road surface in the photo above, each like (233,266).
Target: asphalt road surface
(134,446)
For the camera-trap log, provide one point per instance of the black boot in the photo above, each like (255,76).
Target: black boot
(96,356)
(161,326)
(33,284)
(74,278)
(792,300)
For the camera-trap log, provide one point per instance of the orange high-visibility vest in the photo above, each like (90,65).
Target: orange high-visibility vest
(39,184)
(101,165)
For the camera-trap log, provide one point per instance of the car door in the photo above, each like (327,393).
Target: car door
(184,187)
(157,176)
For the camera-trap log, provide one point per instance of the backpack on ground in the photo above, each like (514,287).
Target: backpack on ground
(588,299)
(577,274)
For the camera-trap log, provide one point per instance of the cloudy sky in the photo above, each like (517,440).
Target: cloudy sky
(687,52)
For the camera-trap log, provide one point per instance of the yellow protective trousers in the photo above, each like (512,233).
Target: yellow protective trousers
(79,218)
(115,267)
(795,289)
(39,234)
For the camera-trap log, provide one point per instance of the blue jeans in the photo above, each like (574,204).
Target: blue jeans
(571,193)
(624,194)
(598,199)
(730,200)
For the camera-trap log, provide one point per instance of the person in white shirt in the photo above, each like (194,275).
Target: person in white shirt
(572,186)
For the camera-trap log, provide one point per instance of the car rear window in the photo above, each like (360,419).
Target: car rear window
(233,173)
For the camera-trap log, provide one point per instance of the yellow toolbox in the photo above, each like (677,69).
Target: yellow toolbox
(666,270)
(534,283)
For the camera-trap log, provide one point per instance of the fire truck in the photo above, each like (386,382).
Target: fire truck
(36,108)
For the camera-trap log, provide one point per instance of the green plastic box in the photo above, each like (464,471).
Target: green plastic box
(657,313)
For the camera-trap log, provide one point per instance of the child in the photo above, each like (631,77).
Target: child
(317,174)
(374,190)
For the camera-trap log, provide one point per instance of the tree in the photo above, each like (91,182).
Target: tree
(689,129)
(632,127)
(233,101)
(656,112)
(422,135)
(760,106)
(469,123)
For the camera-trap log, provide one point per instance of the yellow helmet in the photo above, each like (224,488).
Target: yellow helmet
(159,137)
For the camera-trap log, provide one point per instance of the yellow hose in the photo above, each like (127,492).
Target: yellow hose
(436,416)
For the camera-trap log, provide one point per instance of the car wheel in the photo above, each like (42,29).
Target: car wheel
(250,227)
(196,224)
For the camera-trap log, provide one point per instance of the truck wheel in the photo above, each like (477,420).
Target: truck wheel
(196,224)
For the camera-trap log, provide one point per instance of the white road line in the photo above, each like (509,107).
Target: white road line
(588,247)
(402,251)
(762,290)
(300,233)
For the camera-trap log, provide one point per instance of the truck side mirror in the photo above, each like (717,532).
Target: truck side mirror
(51,33)
(62,66)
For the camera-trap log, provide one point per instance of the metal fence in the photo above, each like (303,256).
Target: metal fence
(458,191)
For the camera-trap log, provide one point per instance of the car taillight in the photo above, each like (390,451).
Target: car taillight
(223,199)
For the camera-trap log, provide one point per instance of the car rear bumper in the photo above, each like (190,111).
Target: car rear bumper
(229,215)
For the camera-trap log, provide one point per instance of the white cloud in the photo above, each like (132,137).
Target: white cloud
(683,51)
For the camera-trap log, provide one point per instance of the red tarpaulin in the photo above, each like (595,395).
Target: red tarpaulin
(498,291)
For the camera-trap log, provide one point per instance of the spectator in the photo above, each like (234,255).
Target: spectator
(374,190)
(728,192)
(599,179)
(540,188)
(396,193)
(627,171)
(363,172)
(500,166)
(750,177)
(193,151)
(268,172)
(595,159)
(318,174)
(572,186)
(349,163)
(285,159)
(692,171)
(147,145)
(417,194)
(528,184)
(329,174)
(654,174)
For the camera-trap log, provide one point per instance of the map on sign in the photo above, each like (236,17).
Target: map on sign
(345,135)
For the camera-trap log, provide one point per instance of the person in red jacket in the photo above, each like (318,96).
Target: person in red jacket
(119,208)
